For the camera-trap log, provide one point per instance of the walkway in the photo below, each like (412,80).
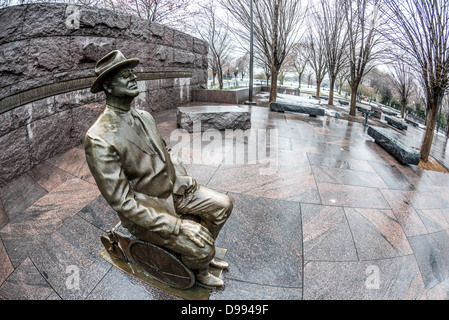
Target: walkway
(325,213)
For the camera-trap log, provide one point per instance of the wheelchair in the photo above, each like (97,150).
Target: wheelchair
(160,263)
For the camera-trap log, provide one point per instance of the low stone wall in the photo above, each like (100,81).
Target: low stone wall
(232,96)
(48,53)
(283,90)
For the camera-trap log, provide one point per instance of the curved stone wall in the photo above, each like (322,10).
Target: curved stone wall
(47,58)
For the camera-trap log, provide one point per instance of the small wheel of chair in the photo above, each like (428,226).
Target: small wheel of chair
(161,264)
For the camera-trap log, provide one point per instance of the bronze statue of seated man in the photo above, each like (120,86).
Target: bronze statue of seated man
(147,186)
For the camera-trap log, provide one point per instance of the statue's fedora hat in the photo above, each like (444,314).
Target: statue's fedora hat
(108,63)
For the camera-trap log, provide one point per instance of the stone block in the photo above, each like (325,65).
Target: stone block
(157,32)
(51,135)
(214,117)
(73,99)
(36,110)
(396,122)
(49,55)
(183,58)
(377,115)
(44,19)
(169,34)
(7,122)
(84,117)
(199,46)
(182,40)
(140,29)
(11,23)
(398,149)
(86,51)
(15,156)
(310,109)
(389,112)
(103,23)
(13,62)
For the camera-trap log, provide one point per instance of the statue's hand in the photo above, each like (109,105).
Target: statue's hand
(197,233)
(185,184)
(193,186)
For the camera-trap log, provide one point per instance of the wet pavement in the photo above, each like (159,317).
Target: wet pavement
(321,212)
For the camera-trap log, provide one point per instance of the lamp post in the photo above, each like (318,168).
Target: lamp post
(251,58)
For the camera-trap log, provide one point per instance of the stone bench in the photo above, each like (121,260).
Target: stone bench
(214,117)
(378,115)
(396,122)
(322,98)
(390,113)
(413,123)
(398,149)
(311,110)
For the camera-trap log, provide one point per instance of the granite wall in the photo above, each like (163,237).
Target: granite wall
(47,58)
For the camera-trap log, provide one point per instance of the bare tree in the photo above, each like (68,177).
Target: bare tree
(314,48)
(299,60)
(330,24)
(342,76)
(172,12)
(5,3)
(276,24)
(217,35)
(364,42)
(243,64)
(421,28)
(403,82)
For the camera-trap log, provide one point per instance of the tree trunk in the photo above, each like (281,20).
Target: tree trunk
(274,84)
(447,127)
(403,111)
(432,116)
(220,78)
(331,91)
(318,87)
(353,101)
(299,81)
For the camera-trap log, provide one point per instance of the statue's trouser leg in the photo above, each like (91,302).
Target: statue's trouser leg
(212,207)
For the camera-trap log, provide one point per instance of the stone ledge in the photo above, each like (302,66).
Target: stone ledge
(214,117)
(398,149)
(311,110)
(395,122)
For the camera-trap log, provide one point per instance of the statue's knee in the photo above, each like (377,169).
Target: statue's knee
(229,205)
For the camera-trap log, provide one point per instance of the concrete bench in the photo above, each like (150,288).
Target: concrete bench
(413,123)
(398,149)
(389,112)
(311,110)
(322,98)
(214,117)
(396,122)
(378,115)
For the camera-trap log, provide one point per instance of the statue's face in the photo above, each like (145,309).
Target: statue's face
(124,83)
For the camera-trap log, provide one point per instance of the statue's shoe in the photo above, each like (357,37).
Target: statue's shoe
(219,263)
(210,280)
